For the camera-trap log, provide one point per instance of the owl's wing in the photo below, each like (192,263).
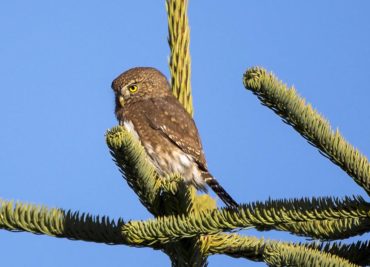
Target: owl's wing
(174,122)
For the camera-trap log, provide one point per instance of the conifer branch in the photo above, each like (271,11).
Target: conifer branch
(181,199)
(358,252)
(309,123)
(275,253)
(179,42)
(330,229)
(161,195)
(273,214)
(190,227)
(60,223)
(234,245)
(76,226)
(132,161)
(30,218)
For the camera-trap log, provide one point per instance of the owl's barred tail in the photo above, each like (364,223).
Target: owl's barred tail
(219,190)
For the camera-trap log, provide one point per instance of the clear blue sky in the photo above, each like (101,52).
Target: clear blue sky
(57,63)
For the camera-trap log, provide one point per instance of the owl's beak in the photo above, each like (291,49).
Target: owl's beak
(121,100)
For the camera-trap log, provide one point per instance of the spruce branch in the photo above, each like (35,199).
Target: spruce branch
(275,253)
(179,42)
(293,215)
(309,123)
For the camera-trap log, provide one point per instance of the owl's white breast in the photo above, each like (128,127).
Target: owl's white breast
(129,126)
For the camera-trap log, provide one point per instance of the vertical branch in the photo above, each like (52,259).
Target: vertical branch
(185,252)
(179,42)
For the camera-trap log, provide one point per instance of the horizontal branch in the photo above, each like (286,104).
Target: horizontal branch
(60,223)
(65,224)
(357,253)
(273,214)
(274,253)
(331,229)
(309,123)
(160,232)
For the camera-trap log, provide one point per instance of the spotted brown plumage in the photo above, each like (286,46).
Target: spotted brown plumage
(146,107)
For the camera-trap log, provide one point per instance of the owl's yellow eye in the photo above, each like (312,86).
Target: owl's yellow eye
(132,88)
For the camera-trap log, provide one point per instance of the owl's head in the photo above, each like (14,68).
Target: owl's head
(139,83)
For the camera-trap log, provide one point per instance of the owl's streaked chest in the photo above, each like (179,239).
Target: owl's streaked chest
(166,157)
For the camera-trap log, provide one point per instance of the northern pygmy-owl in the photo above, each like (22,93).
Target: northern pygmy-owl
(146,107)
